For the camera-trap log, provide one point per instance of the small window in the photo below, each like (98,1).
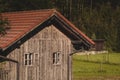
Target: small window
(56,58)
(36,59)
(28,59)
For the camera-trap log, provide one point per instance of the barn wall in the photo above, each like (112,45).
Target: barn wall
(42,46)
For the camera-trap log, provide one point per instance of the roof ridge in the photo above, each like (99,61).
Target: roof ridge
(75,28)
(25,18)
(15,12)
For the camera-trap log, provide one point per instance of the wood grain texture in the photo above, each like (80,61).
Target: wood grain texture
(42,46)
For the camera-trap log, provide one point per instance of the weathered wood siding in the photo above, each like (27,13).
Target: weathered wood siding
(42,46)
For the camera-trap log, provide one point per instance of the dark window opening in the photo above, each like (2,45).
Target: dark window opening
(56,58)
(28,59)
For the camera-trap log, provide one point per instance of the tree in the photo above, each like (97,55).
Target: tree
(3,26)
(117,23)
(96,18)
(20,5)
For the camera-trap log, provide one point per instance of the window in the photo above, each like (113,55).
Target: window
(56,58)
(28,59)
(36,59)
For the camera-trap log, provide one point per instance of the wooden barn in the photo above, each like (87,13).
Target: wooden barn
(39,45)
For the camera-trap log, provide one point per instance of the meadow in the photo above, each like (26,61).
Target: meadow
(96,67)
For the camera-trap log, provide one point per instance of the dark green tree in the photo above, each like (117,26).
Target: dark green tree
(98,19)
(19,5)
(117,23)
(4,25)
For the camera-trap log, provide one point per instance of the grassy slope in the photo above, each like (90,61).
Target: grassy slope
(100,65)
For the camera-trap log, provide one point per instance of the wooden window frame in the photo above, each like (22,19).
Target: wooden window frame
(56,58)
(36,59)
(28,59)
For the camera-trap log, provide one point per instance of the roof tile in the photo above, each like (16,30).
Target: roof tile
(21,23)
(24,21)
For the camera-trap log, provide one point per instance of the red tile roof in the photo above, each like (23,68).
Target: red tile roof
(24,21)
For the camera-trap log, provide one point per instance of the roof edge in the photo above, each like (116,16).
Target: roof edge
(15,12)
(36,25)
(76,29)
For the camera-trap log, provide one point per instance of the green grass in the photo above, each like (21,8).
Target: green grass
(95,66)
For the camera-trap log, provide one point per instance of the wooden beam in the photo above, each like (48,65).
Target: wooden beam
(7,59)
(76,41)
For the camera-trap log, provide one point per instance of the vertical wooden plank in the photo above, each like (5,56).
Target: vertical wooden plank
(40,60)
(45,43)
